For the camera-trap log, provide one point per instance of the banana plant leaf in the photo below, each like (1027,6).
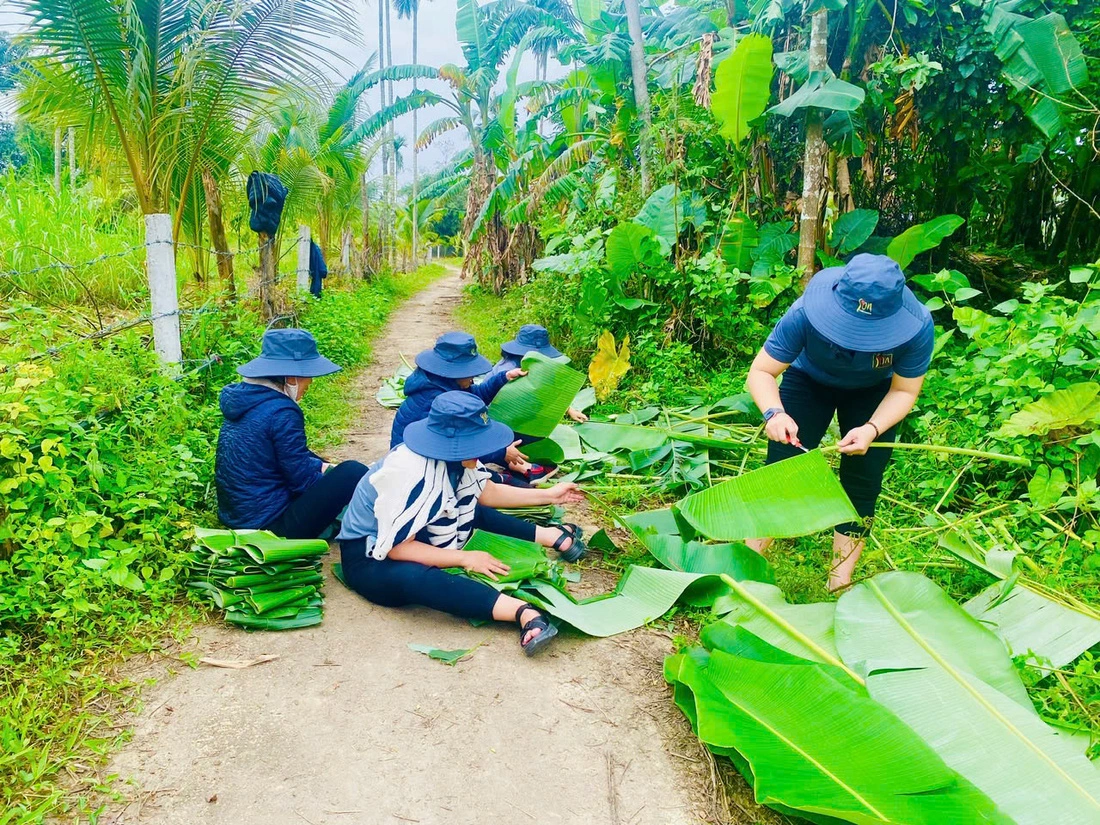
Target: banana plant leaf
(447,657)
(544,451)
(1048,633)
(790,498)
(803,630)
(391,394)
(816,743)
(263,602)
(286,611)
(949,679)
(285,582)
(221,598)
(269,548)
(526,559)
(264,580)
(609,438)
(534,405)
(642,595)
(304,618)
(541,515)
(660,521)
(735,560)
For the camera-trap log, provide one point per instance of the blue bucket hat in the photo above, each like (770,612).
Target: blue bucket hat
(454,355)
(288,353)
(864,305)
(457,428)
(531,337)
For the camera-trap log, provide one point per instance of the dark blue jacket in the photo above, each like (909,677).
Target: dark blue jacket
(422,388)
(263,462)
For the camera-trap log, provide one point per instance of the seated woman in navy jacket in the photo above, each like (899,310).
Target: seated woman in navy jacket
(266,476)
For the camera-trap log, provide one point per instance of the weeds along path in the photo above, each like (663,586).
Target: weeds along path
(350,726)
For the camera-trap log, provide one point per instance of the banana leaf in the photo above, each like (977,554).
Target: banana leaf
(803,630)
(544,451)
(304,618)
(1046,632)
(951,681)
(263,602)
(660,521)
(285,582)
(447,657)
(816,743)
(795,497)
(221,598)
(526,559)
(270,548)
(534,405)
(391,394)
(607,437)
(735,560)
(642,595)
(542,515)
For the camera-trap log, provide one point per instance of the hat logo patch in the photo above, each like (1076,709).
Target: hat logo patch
(485,418)
(882,360)
(864,306)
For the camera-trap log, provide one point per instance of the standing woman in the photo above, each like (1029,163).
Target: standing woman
(857,344)
(267,477)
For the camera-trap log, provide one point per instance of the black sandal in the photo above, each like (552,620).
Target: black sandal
(577,549)
(540,622)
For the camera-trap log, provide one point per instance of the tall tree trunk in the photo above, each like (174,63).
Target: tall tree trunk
(416,178)
(217,233)
(641,89)
(391,189)
(385,150)
(72,155)
(366,226)
(57,160)
(268,263)
(813,165)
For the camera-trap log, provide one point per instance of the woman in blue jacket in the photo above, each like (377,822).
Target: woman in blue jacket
(267,477)
(530,338)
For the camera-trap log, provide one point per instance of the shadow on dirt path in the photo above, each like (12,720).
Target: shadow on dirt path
(350,727)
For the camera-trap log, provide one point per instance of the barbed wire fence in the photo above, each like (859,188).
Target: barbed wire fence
(256,286)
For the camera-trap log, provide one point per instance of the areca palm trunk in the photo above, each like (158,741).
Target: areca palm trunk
(391,187)
(641,88)
(415,170)
(385,153)
(217,233)
(813,165)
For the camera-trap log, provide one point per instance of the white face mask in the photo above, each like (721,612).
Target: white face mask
(292,391)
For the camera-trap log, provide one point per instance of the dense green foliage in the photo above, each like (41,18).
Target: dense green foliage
(105,464)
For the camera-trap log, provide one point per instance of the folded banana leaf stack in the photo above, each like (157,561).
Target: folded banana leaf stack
(261,581)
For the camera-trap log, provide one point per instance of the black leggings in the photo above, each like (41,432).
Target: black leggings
(393,583)
(812,405)
(317,508)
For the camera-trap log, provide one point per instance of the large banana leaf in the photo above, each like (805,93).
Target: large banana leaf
(609,438)
(816,743)
(941,673)
(642,595)
(526,559)
(794,497)
(803,630)
(1046,632)
(534,405)
(742,86)
(660,521)
(735,560)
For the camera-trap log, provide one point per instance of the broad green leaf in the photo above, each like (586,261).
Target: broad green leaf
(662,214)
(1077,404)
(534,404)
(999,563)
(307,617)
(1047,486)
(628,246)
(804,630)
(392,392)
(588,13)
(739,241)
(1054,51)
(852,229)
(470,33)
(1049,634)
(642,595)
(922,237)
(815,743)
(795,497)
(823,90)
(742,86)
(610,438)
(608,366)
(544,451)
(526,559)
(585,398)
(735,560)
(952,682)
(447,657)
(660,521)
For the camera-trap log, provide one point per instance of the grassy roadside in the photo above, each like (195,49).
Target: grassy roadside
(88,578)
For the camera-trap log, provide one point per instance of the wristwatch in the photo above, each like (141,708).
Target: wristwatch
(771,413)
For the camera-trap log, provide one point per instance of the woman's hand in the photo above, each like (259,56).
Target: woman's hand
(512,375)
(565,493)
(783,428)
(515,459)
(477,561)
(858,441)
(576,415)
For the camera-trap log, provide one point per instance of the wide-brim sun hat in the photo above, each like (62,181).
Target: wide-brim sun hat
(864,305)
(288,353)
(454,355)
(530,338)
(457,428)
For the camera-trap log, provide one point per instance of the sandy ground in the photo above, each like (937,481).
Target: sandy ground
(350,727)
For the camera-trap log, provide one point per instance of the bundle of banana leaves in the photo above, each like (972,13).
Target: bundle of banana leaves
(261,581)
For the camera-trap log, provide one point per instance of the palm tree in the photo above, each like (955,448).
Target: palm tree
(165,82)
(411,9)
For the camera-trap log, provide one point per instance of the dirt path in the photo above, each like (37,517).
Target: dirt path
(350,727)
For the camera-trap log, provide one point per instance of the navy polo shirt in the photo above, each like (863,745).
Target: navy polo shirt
(794,341)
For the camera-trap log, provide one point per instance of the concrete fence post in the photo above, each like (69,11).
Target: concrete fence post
(160,264)
(303,258)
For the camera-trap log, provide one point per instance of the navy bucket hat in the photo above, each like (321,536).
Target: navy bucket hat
(454,355)
(457,428)
(531,338)
(288,353)
(864,305)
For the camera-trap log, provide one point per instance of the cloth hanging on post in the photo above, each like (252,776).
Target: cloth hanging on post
(318,269)
(266,196)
